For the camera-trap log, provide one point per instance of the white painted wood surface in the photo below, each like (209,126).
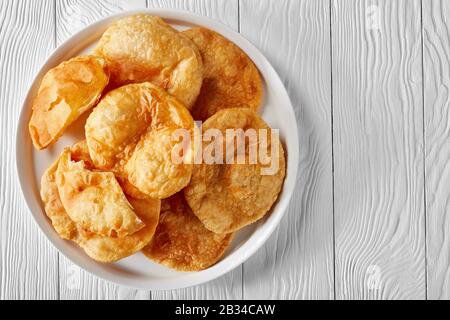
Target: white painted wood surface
(369,83)
(29,263)
(436,55)
(378,149)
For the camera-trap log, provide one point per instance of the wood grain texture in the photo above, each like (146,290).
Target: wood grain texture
(74,15)
(71,16)
(29,263)
(228,286)
(378,150)
(226,11)
(75,283)
(297,261)
(436,52)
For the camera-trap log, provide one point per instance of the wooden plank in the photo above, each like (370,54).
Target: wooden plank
(75,283)
(28,262)
(378,155)
(297,261)
(230,285)
(71,16)
(226,11)
(436,51)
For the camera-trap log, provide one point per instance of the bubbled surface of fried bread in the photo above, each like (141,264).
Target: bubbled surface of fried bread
(94,199)
(181,241)
(130,133)
(100,248)
(143,48)
(230,79)
(65,92)
(226,197)
(107,249)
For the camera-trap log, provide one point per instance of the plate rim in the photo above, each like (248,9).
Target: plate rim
(242,253)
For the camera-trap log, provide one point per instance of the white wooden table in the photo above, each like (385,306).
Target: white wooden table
(370,84)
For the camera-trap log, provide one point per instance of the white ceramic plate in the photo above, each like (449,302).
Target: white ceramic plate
(137,271)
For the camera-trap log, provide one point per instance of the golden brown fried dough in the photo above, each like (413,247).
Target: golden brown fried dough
(227,197)
(143,48)
(94,199)
(181,241)
(130,133)
(104,249)
(80,152)
(230,79)
(66,91)
(64,226)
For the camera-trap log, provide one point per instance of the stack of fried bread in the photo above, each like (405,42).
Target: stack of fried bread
(119,191)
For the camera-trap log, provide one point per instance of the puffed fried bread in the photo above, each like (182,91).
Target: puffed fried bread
(94,199)
(143,47)
(230,79)
(100,248)
(228,196)
(66,91)
(130,133)
(181,241)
